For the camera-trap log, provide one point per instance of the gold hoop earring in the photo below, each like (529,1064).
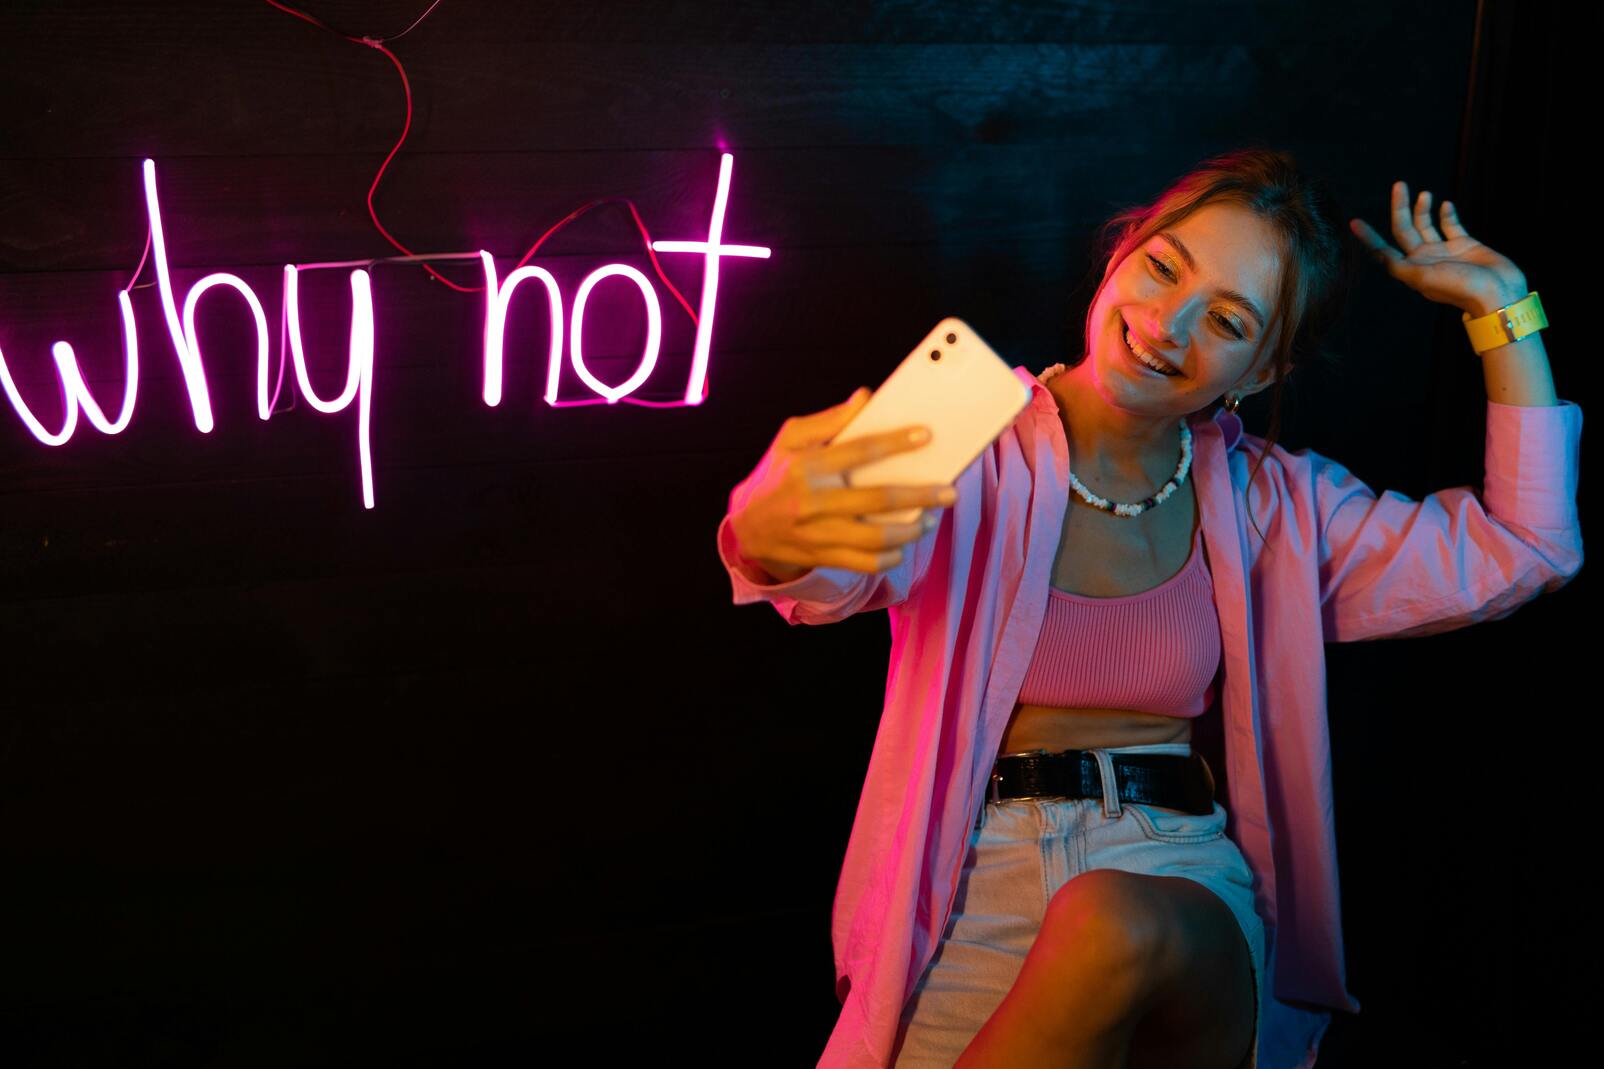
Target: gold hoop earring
(1231,403)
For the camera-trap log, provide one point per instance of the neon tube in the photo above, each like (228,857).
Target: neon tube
(359,366)
(185,343)
(497,298)
(75,392)
(712,248)
(654,335)
(181,329)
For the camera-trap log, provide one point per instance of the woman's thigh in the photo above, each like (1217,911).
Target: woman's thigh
(1023,852)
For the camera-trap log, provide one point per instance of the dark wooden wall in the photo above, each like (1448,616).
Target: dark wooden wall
(496,764)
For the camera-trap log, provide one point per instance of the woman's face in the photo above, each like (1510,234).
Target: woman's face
(1200,299)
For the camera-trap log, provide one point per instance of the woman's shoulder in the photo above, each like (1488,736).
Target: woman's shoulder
(1300,486)
(1300,466)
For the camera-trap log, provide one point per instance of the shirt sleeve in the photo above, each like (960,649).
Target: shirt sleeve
(824,595)
(1393,567)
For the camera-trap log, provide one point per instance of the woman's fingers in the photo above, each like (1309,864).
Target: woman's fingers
(839,456)
(1412,228)
(834,529)
(1450,222)
(1423,217)
(816,428)
(1376,244)
(1403,226)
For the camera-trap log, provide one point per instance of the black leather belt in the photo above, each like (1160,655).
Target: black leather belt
(1174,781)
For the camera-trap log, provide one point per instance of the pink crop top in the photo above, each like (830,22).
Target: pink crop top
(1157,651)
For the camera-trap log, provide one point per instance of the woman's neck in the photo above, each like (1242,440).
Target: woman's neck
(1113,449)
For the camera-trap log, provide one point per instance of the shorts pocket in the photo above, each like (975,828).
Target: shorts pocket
(1175,826)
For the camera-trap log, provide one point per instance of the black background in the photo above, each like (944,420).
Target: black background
(496,767)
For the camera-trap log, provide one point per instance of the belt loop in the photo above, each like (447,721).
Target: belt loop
(1105,768)
(1208,774)
(988,795)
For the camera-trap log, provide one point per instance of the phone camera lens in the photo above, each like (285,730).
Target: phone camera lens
(935,354)
(951,338)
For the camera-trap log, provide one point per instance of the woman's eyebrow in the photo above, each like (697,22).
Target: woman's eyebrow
(1230,295)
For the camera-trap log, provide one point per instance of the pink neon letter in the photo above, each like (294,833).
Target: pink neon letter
(694,392)
(497,298)
(654,334)
(359,373)
(184,341)
(75,392)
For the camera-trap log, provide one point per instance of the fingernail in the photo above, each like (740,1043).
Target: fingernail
(919,435)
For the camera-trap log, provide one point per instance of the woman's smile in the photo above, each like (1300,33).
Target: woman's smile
(1131,357)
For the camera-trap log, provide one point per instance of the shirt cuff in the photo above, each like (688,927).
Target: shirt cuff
(1532,463)
(816,584)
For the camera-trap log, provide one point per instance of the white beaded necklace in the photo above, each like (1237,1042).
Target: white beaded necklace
(1120,508)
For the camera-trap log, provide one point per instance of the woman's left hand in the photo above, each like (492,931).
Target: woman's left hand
(1456,269)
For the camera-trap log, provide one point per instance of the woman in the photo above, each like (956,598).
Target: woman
(1039,872)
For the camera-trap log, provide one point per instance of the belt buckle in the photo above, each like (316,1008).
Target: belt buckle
(992,789)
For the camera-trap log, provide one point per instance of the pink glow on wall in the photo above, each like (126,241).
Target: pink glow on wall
(181,329)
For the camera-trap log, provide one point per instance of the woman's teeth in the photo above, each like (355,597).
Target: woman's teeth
(1141,354)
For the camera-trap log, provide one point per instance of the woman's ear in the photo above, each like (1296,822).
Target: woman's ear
(1267,375)
(1263,379)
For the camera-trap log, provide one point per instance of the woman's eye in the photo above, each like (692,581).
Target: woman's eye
(1162,266)
(1225,322)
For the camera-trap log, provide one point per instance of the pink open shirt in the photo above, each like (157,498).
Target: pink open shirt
(1342,564)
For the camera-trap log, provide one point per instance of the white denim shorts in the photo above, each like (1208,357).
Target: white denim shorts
(1020,854)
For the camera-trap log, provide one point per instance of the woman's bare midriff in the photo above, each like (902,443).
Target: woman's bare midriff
(1045,727)
(1102,556)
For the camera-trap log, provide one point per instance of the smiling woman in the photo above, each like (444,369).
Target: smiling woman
(1087,891)
(1177,322)
(1128,656)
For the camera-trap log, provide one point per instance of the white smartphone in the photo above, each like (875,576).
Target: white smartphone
(953,383)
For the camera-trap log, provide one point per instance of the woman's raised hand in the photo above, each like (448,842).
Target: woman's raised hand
(801,513)
(1449,268)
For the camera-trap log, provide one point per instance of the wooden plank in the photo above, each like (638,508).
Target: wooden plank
(265,84)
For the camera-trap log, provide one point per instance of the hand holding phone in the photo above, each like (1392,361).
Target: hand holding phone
(953,383)
(804,514)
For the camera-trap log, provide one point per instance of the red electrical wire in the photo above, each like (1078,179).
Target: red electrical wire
(378,43)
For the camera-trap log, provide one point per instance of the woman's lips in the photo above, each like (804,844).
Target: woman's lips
(1119,340)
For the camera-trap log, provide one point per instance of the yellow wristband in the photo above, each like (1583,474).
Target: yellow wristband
(1504,325)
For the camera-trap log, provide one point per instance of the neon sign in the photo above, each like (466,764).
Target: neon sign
(360,357)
